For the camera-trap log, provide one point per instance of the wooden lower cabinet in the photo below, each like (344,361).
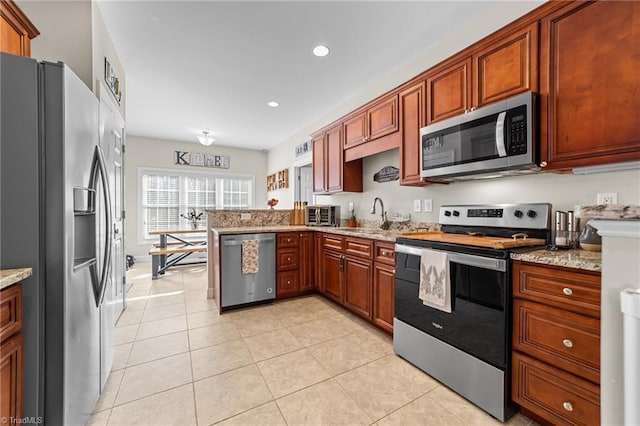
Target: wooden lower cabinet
(556,396)
(294,264)
(11,352)
(357,285)
(383,297)
(332,265)
(317,262)
(556,343)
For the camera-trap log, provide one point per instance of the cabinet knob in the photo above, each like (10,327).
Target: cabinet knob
(288,282)
(288,240)
(383,252)
(567,406)
(543,164)
(288,259)
(567,291)
(568,343)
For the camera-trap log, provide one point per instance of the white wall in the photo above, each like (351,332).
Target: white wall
(74,32)
(159,153)
(564,191)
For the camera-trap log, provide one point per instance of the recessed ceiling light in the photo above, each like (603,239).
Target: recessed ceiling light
(321,50)
(273,104)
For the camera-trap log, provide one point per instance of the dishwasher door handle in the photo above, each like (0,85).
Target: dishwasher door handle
(239,242)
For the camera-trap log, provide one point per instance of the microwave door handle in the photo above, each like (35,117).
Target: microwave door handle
(500,146)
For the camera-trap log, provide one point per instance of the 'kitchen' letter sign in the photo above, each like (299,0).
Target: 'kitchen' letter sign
(185,158)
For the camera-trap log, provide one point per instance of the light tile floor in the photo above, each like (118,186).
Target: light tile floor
(302,361)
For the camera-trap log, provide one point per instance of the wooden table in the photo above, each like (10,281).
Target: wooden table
(163,255)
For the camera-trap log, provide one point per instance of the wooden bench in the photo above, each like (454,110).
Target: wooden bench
(162,258)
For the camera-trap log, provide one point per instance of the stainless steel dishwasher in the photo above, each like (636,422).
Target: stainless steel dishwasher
(241,289)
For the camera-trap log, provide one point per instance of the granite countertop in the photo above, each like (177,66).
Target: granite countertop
(371,233)
(9,277)
(578,259)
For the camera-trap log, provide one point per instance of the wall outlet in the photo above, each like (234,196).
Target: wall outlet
(427,205)
(607,198)
(417,206)
(350,206)
(245,216)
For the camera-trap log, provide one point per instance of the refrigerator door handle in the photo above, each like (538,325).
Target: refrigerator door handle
(98,168)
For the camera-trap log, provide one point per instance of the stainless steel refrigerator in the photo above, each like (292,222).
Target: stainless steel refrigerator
(56,217)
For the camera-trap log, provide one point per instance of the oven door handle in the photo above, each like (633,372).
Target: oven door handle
(461,258)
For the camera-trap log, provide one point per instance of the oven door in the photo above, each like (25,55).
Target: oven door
(478,322)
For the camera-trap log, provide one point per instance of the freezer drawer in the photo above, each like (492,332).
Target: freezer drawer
(241,288)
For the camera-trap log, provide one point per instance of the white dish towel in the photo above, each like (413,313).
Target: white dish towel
(435,283)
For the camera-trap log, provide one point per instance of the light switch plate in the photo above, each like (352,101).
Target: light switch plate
(428,205)
(350,205)
(607,198)
(417,206)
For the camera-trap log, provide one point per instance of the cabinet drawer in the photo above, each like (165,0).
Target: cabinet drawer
(566,340)
(10,311)
(572,291)
(287,282)
(287,259)
(384,252)
(558,397)
(359,247)
(332,242)
(287,239)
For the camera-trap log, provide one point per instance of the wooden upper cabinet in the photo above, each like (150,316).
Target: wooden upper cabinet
(502,65)
(506,66)
(16,30)
(334,159)
(331,173)
(590,84)
(355,130)
(382,118)
(449,90)
(318,166)
(411,119)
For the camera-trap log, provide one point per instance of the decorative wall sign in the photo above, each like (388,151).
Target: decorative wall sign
(387,174)
(278,180)
(185,158)
(113,83)
(303,148)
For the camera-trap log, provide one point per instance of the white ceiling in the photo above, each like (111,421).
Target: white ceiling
(214,65)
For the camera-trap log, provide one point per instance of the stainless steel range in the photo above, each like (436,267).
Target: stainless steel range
(468,349)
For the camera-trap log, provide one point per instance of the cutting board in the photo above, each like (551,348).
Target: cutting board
(478,241)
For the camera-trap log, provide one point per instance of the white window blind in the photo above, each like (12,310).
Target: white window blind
(165,195)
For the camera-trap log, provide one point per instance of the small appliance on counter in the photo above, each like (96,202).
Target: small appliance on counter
(326,215)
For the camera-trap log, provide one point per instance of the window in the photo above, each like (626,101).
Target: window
(165,194)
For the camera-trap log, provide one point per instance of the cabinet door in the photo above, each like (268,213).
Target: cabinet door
(355,130)
(11,355)
(334,159)
(449,90)
(506,67)
(287,259)
(332,265)
(318,276)
(590,57)
(358,283)
(305,281)
(382,119)
(412,119)
(383,299)
(318,165)
(286,282)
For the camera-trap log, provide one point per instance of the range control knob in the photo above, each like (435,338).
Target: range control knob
(532,213)
(447,213)
(456,213)
(518,213)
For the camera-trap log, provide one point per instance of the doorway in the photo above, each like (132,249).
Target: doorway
(303,184)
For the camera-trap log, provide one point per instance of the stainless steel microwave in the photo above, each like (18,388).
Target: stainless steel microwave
(322,215)
(496,139)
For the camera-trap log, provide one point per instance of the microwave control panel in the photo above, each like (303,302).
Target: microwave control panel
(517,136)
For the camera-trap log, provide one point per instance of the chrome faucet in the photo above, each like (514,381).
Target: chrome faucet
(384,223)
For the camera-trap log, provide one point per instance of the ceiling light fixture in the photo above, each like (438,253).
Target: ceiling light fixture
(321,50)
(273,104)
(205,139)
